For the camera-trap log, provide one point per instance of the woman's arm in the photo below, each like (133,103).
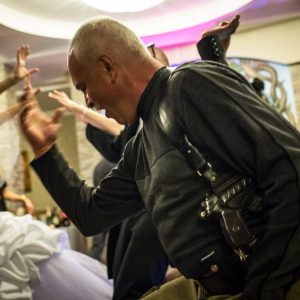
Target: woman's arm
(9,195)
(10,112)
(87,115)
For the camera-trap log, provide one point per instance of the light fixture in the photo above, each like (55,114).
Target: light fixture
(122,6)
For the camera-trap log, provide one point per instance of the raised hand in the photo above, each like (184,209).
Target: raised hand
(87,115)
(20,70)
(62,98)
(224,31)
(39,129)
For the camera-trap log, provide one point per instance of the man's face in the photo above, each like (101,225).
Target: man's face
(97,87)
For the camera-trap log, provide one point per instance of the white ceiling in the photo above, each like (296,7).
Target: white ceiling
(49,53)
(60,19)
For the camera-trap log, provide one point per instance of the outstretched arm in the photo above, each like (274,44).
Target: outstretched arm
(39,129)
(20,71)
(215,41)
(10,112)
(87,115)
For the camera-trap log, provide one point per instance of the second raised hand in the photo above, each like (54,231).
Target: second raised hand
(224,29)
(21,71)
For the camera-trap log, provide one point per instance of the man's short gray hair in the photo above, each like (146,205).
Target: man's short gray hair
(107,36)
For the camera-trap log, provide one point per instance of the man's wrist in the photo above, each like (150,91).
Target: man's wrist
(210,48)
(41,151)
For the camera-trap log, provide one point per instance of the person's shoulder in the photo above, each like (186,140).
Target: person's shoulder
(195,67)
(191,74)
(188,73)
(200,67)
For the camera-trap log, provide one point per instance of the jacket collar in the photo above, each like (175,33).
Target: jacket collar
(152,92)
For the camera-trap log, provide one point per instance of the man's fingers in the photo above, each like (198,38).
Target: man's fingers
(29,97)
(28,104)
(26,109)
(38,90)
(58,114)
(224,31)
(234,23)
(223,23)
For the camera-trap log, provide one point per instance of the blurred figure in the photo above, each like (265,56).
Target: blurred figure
(6,194)
(259,87)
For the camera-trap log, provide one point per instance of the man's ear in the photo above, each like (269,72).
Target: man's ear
(108,67)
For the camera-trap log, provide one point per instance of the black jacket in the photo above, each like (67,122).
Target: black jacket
(239,134)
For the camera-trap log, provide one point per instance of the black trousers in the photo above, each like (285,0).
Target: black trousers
(140,261)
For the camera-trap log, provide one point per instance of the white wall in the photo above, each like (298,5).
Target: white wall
(279,42)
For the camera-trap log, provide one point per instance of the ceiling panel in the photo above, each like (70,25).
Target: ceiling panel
(49,54)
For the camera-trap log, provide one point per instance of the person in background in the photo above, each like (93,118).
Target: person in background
(259,87)
(6,194)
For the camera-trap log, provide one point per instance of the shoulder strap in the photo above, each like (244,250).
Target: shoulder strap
(174,130)
(230,218)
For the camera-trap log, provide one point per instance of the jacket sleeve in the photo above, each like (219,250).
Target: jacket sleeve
(224,117)
(109,146)
(92,210)
(210,48)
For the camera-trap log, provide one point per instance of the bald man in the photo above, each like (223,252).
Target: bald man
(248,166)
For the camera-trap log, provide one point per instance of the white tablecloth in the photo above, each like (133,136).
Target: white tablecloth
(36,263)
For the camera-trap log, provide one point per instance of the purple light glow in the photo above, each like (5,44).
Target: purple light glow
(190,35)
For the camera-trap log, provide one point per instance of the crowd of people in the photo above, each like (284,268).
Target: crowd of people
(203,178)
